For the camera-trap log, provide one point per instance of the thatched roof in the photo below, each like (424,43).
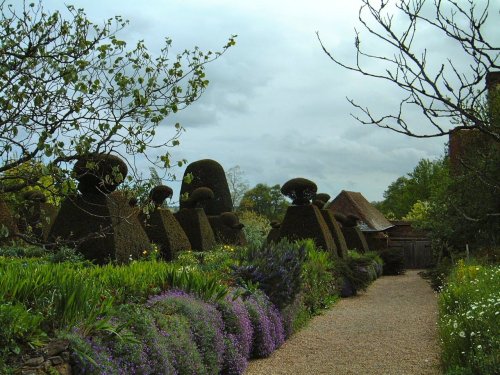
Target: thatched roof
(353,203)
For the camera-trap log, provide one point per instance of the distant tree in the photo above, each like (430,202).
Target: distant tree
(418,185)
(266,201)
(447,95)
(237,184)
(69,87)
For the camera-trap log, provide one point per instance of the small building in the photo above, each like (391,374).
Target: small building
(372,222)
(414,243)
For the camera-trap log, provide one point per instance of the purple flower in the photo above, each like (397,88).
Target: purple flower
(205,322)
(234,361)
(269,333)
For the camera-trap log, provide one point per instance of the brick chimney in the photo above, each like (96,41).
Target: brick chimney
(460,140)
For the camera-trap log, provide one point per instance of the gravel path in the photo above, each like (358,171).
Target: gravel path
(389,329)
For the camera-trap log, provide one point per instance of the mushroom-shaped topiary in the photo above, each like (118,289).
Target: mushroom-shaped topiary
(198,196)
(275,224)
(320,200)
(133,202)
(99,173)
(159,193)
(318,203)
(35,196)
(230,219)
(352,220)
(324,197)
(340,217)
(299,190)
(208,173)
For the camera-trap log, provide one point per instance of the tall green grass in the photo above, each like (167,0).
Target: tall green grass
(38,297)
(469,320)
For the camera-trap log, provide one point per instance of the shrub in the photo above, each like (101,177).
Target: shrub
(438,275)
(237,323)
(269,334)
(217,262)
(355,273)
(20,328)
(469,320)
(394,262)
(276,267)
(235,363)
(256,227)
(22,251)
(295,316)
(318,283)
(205,323)
(146,343)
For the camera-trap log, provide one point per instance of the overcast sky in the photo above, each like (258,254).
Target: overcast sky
(276,105)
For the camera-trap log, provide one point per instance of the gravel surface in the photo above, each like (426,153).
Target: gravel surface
(389,329)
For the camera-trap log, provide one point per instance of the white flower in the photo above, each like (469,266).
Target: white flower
(461,334)
(455,325)
(479,346)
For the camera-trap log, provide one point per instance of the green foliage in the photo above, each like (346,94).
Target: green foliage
(469,320)
(356,272)
(418,213)
(19,251)
(266,201)
(75,294)
(394,262)
(256,227)
(42,178)
(276,267)
(418,185)
(205,324)
(318,282)
(216,262)
(20,327)
(70,87)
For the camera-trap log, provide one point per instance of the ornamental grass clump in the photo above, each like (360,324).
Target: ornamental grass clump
(469,320)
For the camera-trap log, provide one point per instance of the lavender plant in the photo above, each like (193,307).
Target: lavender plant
(276,268)
(269,334)
(237,323)
(205,323)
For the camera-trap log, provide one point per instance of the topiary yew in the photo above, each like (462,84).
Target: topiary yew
(159,193)
(228,229)
(162,227)
(101,221)
(231,220)
(336,231)
(274,233)
(208,173)
(197,197)
(299,190)
(320,200)
(99,173)
(340,217)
